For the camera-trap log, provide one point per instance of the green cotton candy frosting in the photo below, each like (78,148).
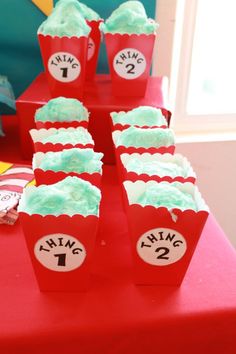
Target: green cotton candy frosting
(130,17)
(62,109)
(87,12)
(167,195)
(65,136)
(65,20)
(141,116)
(146,137)
(155,168)
(70,196)
(72,160)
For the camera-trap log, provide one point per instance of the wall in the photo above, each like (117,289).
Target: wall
(215,166)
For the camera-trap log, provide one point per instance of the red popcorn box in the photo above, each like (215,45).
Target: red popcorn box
(163,241)
(119,150)
(178,159)
(121,127)
(64,60)
(39,146)
(61,249)
(58,125)
(94,42)
(131,149)
(129,58)
(50,177)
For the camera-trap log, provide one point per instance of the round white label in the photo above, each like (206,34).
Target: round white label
(161,247)
(129,63)
(60,252)
(91,48)
(64,67)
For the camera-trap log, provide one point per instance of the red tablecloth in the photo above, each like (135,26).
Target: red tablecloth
(115,316)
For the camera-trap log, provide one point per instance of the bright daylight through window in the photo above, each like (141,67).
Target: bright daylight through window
(205,95)
(212,85)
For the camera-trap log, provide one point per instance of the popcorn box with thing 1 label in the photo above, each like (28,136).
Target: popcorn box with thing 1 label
(60,246)
(61,249)
(64,60)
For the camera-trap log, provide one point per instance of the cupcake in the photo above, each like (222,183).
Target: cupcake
(142,116)
(52,167)
(130,37)
(59,222)
(62,112)
(165,222)
(59,139)
(93,20)
(63,39)
(158,167)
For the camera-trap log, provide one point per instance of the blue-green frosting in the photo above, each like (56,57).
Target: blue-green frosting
(146,137)
(62,109)
(167,195)
(155,168)
(72,160)
(70,196)
(130,17)
(141,116)
(65,20)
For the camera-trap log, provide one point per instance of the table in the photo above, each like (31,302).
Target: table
(115,316)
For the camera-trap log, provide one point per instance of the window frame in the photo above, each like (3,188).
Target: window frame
(177,17)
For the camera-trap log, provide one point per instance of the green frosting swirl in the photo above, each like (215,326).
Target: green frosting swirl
(62,109)
(70,196)
(141,137)
(130,17)
(65,20)
(167,195)
(141,116)
(72,160)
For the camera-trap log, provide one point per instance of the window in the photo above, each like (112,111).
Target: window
(202,71)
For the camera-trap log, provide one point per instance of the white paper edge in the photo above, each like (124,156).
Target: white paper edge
(39,134)
(135,189)
(115,136)
(179,159)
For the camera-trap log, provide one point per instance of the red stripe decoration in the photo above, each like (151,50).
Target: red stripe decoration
(23,176)
(15,178)
(12,181)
